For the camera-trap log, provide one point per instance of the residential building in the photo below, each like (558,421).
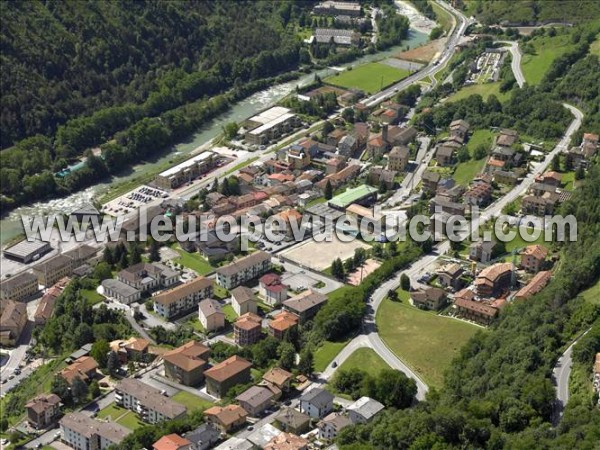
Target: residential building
(347,145)
(335,136)
(186,364)
(132,349)
(539,206)
(440,203)
(235,443)
(479,194)
(334,165)
(19,287)
(332,424)
(172,442)
(247,329)
(83,368)
(337,36)
(317,403)
(477,311)
(533,258)
(537,283)
(244,269)
(81,432)
(305,305)
(270,124)
(262,435)
(506,138)
(459,129)
(203,437)
(80,255)
(53,269)
(492,280)
(398,158)
(120,291)
(291,420)
(43,410)
(379,175)
(298,157)
(287,441)
(147,401)
(281,323)
(482,251)
(363,410)
(187,171)
(210,314)
(278,377)
(243,301)
(550,178)
(444,155)
(255,400)
(45,308)
(183,298)
(226,418)
(223,376)
(429,298)
(449,276)
(506,177)
(430,181)
(148,276)
(589,144)
(27,251)
(12,322)
(377,145)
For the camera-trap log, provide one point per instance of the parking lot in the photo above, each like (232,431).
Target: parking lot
(132,200)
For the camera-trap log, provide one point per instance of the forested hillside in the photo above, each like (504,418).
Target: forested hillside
(63,60)
(531,12)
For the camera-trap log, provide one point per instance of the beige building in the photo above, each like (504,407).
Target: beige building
(398,158)
(19,287)
(12,321)
(182,298)
(52,270)
(243,300)
(223,376)
(147,401)
(186,364)
(43,410)
(533,258)
(244,269)
(81,432)
(247,329)
(210,315)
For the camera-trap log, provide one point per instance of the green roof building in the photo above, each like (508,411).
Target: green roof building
(361,195)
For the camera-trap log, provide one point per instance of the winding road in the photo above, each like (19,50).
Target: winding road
(516,61)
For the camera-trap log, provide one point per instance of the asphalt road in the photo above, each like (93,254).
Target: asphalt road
(516,61)
(560,376)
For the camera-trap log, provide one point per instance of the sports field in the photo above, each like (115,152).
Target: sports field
(369,78)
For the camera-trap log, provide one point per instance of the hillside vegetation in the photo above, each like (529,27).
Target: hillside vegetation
(532,12)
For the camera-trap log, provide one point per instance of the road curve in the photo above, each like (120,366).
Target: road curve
(560,376)
(516,61)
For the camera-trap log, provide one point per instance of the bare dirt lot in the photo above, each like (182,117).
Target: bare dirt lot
(370,265)
(424,53)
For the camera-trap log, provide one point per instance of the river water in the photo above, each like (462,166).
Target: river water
(11,226)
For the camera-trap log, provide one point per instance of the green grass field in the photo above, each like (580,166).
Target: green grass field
(193,261)
(595,47)
(325,354)
(365,359)
(547,50)
(121,416)
(91,296)
(370,78)
(423,340)
(466,171)
(443,17)
(568,180)
(230,314)
(485,90)
(191,401)
(478,137)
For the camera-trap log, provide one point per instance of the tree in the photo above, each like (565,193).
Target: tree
(306,365)
(393,389)
(436,33)
(405,282)
(108,256)
(79,390)
(113,363)
(392,295)
(123,261)
(337,269)
(556,163)
(94,389)
(348,115)
(579,173)
(328,190)
(382,187)
(60,387)
(100,350)
(327,128)
(135,254)
(463,154)
(102,271)
(480,151)
(230,130)
(154,251)
(287,355)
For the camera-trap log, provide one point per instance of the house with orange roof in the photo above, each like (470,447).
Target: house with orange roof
(186,364)
(247,329)
(287,441)
(172,442)
(477,311)
(83,368)
(533,258)
(223,376)
(537,283)
(281,323)
(278,377)
(492,280)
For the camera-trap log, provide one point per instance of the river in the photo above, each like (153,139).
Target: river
(11,226)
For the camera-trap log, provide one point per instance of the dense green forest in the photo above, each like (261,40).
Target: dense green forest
(531,12)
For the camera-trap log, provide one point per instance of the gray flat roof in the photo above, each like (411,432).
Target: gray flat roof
(115,285)
(26,248)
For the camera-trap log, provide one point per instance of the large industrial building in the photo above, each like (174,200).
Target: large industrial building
(270,124)
(186,171)
(27,251)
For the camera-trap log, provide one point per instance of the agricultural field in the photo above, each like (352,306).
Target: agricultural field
(423,340)
(369,78)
